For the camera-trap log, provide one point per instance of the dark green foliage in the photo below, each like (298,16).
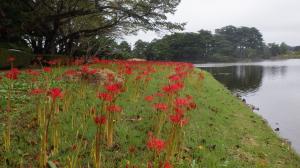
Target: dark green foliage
(60,26)
(226,44)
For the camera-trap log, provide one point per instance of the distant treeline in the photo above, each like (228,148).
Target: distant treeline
(226,44)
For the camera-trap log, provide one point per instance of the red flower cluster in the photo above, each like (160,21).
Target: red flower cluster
(55,93)
(173,87)
(36,91)
(181,102)
(70,72)
(100,120)
(114,108)
(155,144)
(32,72)
(178,119)
(47,69)
(105,97)
(161,106)
(12,74)
(85,69)
(114,88)
(149,98)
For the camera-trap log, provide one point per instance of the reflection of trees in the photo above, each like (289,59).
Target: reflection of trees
(243,78)
(274,71)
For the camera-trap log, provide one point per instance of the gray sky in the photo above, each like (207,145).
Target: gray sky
(277,20)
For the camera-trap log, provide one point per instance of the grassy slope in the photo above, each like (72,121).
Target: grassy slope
(231,135)
(222,132)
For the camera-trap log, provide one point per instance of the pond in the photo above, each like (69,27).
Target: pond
(272,86)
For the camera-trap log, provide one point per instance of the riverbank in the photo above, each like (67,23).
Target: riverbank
(222,130)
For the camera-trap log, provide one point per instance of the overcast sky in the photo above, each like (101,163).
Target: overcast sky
(277,20)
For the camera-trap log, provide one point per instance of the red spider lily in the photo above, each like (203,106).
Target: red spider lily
(32,72)
(100,120)
(105,97)
(128,70)
(179,111)
(159,94)
(85,69)
(161,106)
(114,108)
(174,78)
(167,165)
(178,120)
(36,91)
(155,144)
(70,72)
(181,102)
(173,87)
(47,69)
(55,93)
(11,58)
(12,74)
(149,98)
(114,88)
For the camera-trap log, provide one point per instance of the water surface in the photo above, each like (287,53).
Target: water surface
(273,86)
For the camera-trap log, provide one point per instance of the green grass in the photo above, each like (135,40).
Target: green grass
(222,132)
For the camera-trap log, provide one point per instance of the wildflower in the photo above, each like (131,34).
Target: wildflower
(181,102)
(114,88)
(114,108)
(161,106)
(128,70)
(12,74)
(149,98)
(55,93)
(178,120)
(100,120)
(36,91)
(47,69)
(178,110)
(32,72)
(173,87)
(159,94)
(70,72)
(105,97)
(167,165)
(155,144)
(174,77)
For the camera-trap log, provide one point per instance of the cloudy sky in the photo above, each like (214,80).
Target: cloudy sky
(278,20)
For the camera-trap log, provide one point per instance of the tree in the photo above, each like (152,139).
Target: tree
(274,49)
(55,24)
(140,49)
(284,48)
(240,42)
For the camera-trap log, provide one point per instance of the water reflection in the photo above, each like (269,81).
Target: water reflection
(240,79)
(273,86)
